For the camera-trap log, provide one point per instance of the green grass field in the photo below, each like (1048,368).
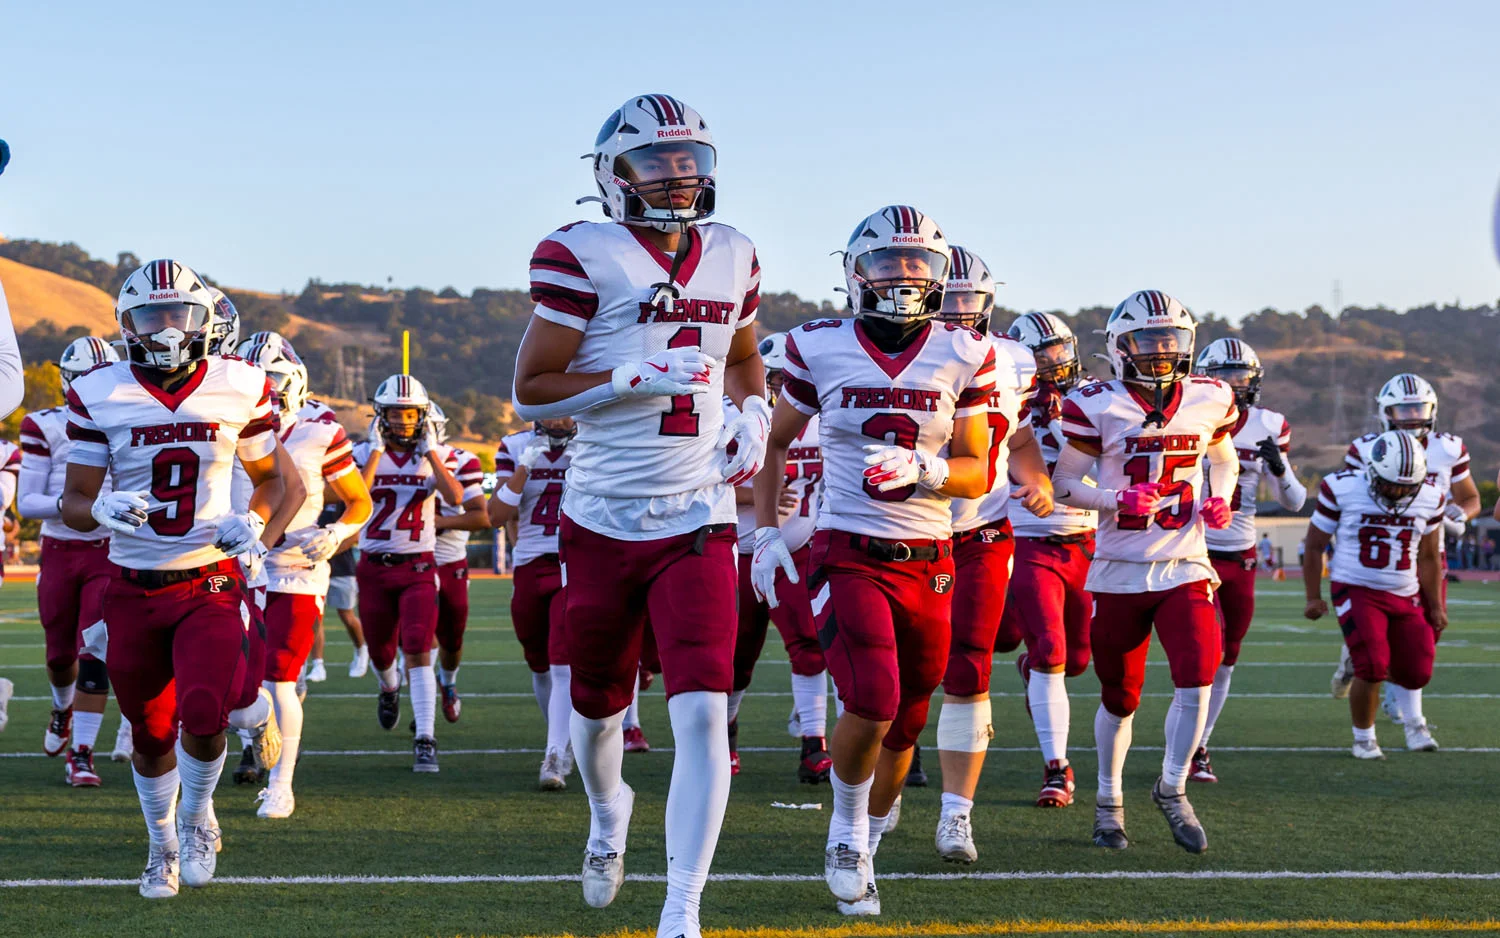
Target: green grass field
(1292,802)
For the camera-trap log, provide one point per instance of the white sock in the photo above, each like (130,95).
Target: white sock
(956,804)
(158,803)
(1112,738)
(389,679)
(423,692)
(199,779)
(559,708)
(1366,735)
(877,830)
(1184,728)
(86,728)
(810,696)
(1410,700)
(317,663)
(850,822)
(289,719)
(541,689)
(695,803)
(633,712)
(734,704)
(62,697)
(1050,713)
(449,678)
(1216,701)
(599,749)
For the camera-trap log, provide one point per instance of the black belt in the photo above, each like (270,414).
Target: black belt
(1002,531)
(1232,556)
(1083,537)
(900,551)
(394,560)
(157,579)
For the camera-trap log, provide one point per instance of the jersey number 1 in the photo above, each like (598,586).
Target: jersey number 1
(681,419)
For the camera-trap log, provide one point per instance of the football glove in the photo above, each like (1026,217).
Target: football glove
(893,467)
(325,542)
(1453,528)
(1216,513)
(533,451)
(1455,512)
(1271,453)
(1140,499)
(253,561)
(236,534)
(427,442)
(121,512)
(770,556)
(667,373)
(748,434)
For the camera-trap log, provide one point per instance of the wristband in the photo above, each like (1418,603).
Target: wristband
(508,496)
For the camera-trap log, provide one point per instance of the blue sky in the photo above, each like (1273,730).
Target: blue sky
(1238,156)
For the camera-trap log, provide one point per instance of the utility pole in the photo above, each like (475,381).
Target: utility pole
(1339,436)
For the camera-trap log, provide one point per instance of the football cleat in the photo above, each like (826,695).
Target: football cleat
(1419,737)
(915,776)
(78,769)
(893,817)
(816,763)
(162,874)
(388,707)
(1202,770)
(603,874)
(275,802)
(1367,750)
(1023,664)
(794,723)
(1392,706)
(452,703)
(1109,827)
(265,746)
(360,665)
(635,740)
(1180,818)
(124,743)
(847,872)
(7,690)
(1057,786)
(246,773)
(551,776)
(198,857)
(317,673)
(302,684)
(868,904)
(734,747)
(955,839)
(424,753)
(1343,675)
(59,731)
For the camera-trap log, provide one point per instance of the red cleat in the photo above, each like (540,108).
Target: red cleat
(78,769)
(1057,786)
(1202,770)
(734,747)
(816,763)
(59,732)
(635,740)
(452,703)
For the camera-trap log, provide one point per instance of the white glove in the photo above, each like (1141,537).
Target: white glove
(1455,512)
(892,467)
(748,432)
(253,561)
(533,452)
(121,512)
(325,542)
(236,534)
(667,373)
(376,436)
(427,442)
(1454,528)
(770,555)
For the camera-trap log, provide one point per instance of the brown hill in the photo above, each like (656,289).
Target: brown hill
(35,295)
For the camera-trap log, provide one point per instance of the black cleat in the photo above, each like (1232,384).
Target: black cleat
(1180,818)
(388,708)
(816,763)
(424,749)
(246,772)
(1109,827)
(915,777)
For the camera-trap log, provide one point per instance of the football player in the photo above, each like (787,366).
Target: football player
(642,324)
(983,551)
(1262,441)
(451,551)
(891,388)
(168,426)
(531,469)
(343,591)
(403,466)
(75,569)
(1048,596)
(1150,429)
(1407,402)
(793,610)
(297,567)
(1385,521)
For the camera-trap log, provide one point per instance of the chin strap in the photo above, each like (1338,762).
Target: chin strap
(1156,418)
(669,288)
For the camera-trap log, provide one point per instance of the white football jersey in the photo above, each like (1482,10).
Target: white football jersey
(661,454)
(865,396)
(1012,388)
(1373,546)
(804,472)
(10,478)
(44,449)
(453,544)
(540,510)
(1136,553)
(1447,458)
(404,493)
(1045,413)
(1252,427)
(321,451)
(179,446)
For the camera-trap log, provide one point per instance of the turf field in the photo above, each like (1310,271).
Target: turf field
(1302,837)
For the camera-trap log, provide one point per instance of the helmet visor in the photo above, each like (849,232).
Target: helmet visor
(1411,416)
(891,266)
(1057,363)
(1394,494)
(1237,377)
(186,318)
(968,307)
(281,382)
(667,175)
(1156,353)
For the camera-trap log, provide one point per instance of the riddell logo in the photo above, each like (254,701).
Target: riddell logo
(679,132)
(908,239)
(170,295)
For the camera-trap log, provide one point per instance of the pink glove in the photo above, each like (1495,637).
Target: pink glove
(1215,512)
(1140,499)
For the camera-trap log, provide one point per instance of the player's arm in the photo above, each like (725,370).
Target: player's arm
(1465,495)
(474,517)
(744,373)
(1223,476)
(294,493)
(350,489)
(1430,576)
(787,423)
(505,501)
(10,480)
(443,481)
(270,487)
(34,501)
(968,462)
(1068,485)
(1312,570)
(373,454)
(544,387)
(12,375)
(1029,469)
(80,488)
(1276,454)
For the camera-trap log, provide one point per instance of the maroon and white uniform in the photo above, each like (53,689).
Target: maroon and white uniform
(648,523)
(177,616)
(882,579)
(1374,576)
(1151,569)
(452,554)
(10,473)
(537,597)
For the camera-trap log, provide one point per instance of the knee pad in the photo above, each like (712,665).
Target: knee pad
(1119,701)
(596,703)
(806,657)
(93,676)
(1077,661)
(1231,652)
(202,712)
(1008,638)
(968,671)
(911,718)
(965,727)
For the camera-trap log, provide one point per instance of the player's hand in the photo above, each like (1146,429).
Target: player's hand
(1271,453)
(253,560)
(236,534)
(892,467)
(770,556)
(787,502)
(121,512)
(1455,512)
(748,434)
(325,542)
(1140,499)
(532,452)
(1035,498)
(1316,609)
(667,373)
(427,443)
(1438,619)
(1216,513)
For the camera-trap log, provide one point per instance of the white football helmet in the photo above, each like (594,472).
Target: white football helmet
(1396,469)
(1054,346)
(166,314)
(1150,339)
(896,265)
(83,354)
(1407,402)
(281,363)
(969,295)
(1236,364)
(439,421)
(224,337)
(401,392)
(773,351)
(654,148)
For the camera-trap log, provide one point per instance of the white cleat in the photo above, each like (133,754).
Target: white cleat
(1343,675)
(1419,738)
(361,663)
(7,690)
(603,874)
(1367,750)
(868,904)
(551,776)
(161,878)
(124,743)
(276,803)
(955,839)
(199,858)
(847,872)
(794,723)
(318,673)
(894,817)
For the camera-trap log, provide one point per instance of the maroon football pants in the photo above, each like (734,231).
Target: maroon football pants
(981,567)
(793,617)
(70,595)
(537,609)
(1235,599)
(397,604)
(1186,623)
(453,605)
(1388,636)
(1050,603)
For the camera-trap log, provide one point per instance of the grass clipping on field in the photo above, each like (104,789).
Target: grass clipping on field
(1055,927)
